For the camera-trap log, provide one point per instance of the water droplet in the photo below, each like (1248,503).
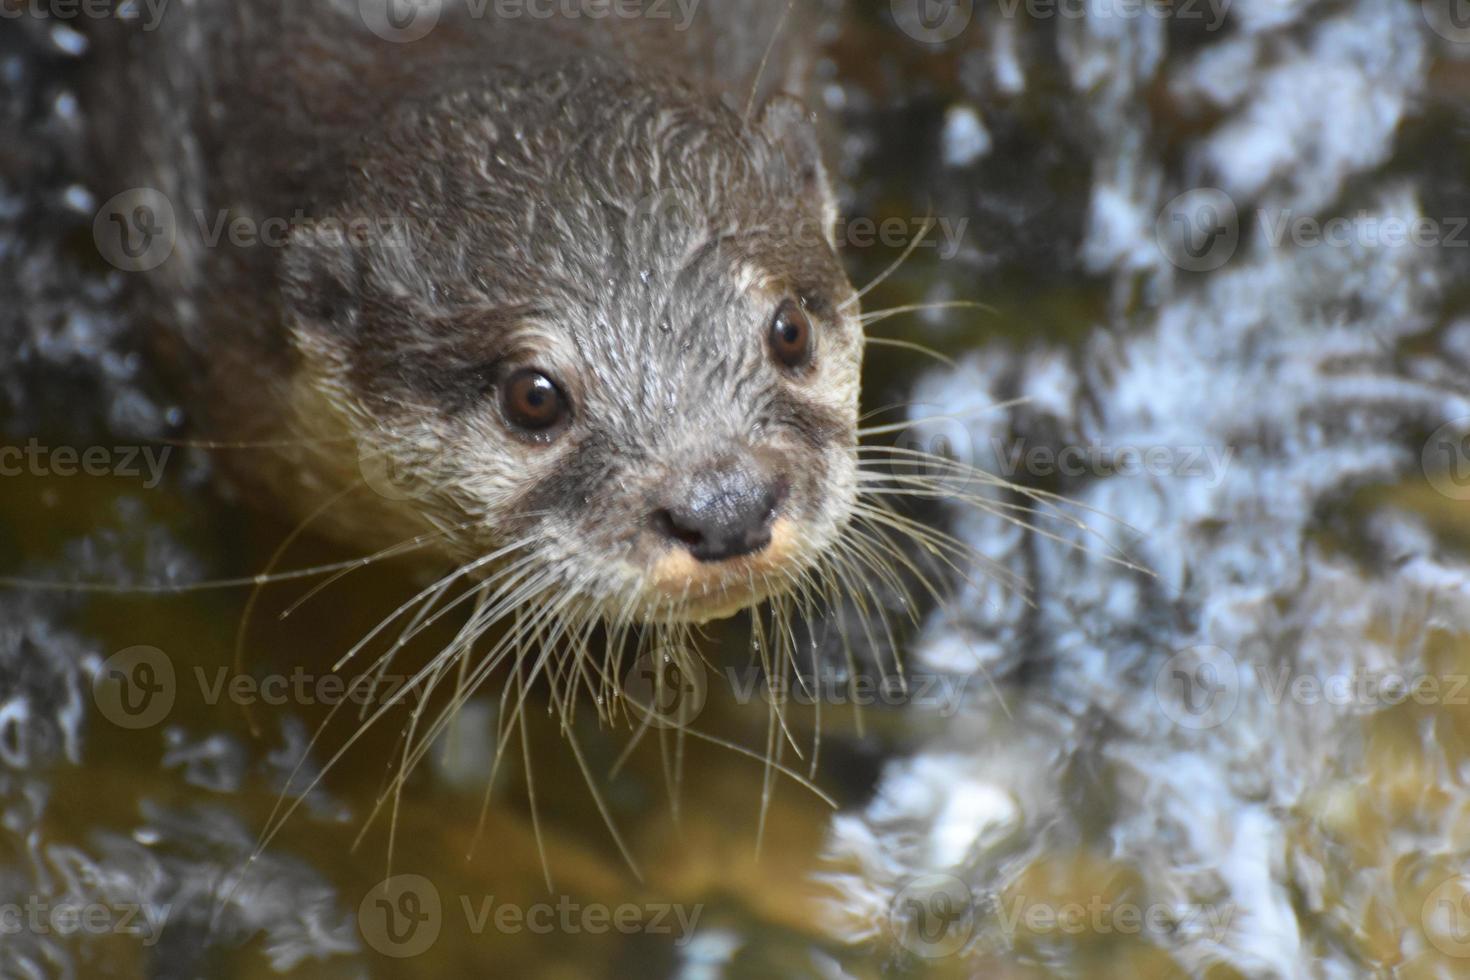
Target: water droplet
(68,40)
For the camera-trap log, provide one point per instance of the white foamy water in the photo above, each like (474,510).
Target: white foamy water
(1155,719)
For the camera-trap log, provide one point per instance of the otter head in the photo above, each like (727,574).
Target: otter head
(601,325)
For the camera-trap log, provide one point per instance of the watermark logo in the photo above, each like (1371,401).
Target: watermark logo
(135,688)
(1198,688)
(1207,463)
(660,232)
(936,452)
(1211,12)
(38,916)
(943,694)
(390,476)
(1450,19)
(932,21)
(68,10)
(666,687)
(402,916)
(400,21)
(136,230)
(1446,459)
(145,463)
(1446,916)
(1199,230)
(933,916)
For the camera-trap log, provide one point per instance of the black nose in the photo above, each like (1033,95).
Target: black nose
(722,513)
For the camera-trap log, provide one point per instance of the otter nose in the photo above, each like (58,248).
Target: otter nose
(722,513)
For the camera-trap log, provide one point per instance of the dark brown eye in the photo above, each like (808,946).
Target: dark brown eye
(791,336)
(532,401)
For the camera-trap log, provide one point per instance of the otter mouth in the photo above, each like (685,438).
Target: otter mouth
(698,590)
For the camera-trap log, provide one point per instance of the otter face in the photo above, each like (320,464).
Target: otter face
(622,352)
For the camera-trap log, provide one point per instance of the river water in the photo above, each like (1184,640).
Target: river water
(1205,712)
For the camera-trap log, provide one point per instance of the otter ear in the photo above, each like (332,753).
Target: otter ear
(321,284)
(792,127)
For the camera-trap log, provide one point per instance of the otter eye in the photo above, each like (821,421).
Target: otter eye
(532,401)
(791,336)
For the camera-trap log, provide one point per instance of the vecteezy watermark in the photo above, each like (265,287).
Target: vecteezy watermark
(940,693)
(938,21)
(1282,227)
(1211,13)
(395,478)
(1445,916)
(1450,19)
(135,688)
(403,21)
(896,232)
(400,21)
(37,916)
(932,21)
(242,231)
(932,454)
(401,916)
(1446,459)
(139,230)
(1102,916)
(1198,687)
(1208,463)
(665,217)
(1200,230)
(1364,689)
(130,462)
(65,10)
(404,916)
(933,916)
(938,915)
(136,230)
(138,687)
(666,687)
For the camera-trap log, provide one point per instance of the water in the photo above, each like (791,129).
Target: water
(1180,751)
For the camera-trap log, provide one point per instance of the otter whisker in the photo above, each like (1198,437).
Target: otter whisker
(218,444)
(391,552)
(880,547)
(512,646)
(247,613)
(182,588)
(278,817)
(602,806)
(878,316)
(924,487)
(944,359)
(770,654)
(893,267)
(864,432)
(287,805)
(531,795)
(760,70)
(964,471)
(942,546)
(408,745)
(502,732)
(1113,553)
(460,572)
(842,559)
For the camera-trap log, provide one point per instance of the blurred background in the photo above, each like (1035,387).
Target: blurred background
(1196,704)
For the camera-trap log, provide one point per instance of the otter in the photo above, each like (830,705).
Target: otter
(556,294)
